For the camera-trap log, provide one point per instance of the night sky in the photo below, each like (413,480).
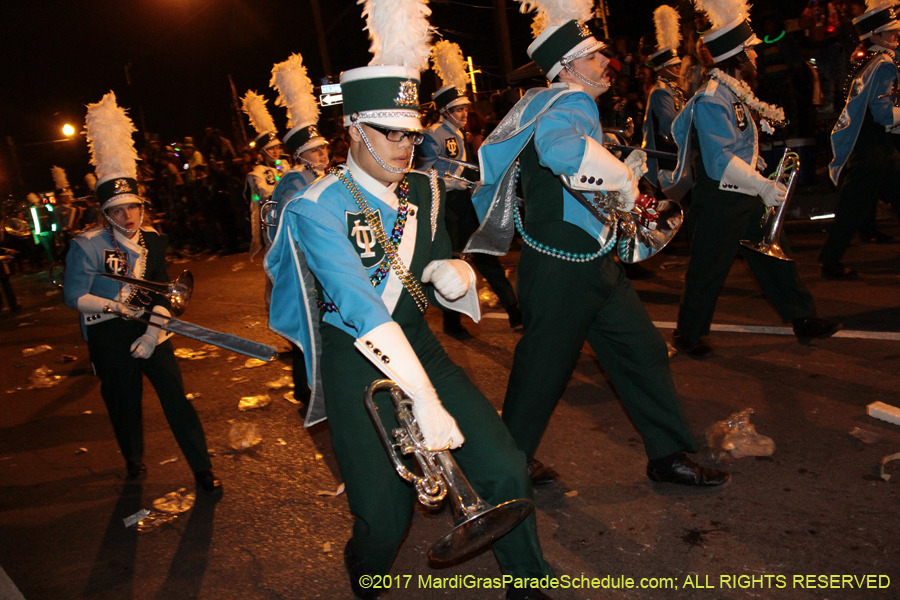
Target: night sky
(58,56)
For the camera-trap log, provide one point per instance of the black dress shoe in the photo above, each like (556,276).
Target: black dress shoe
(525,594)
(136,470)
(540,474)
(695,348)
(515,316)
(682,470)
(814,327)
(357,569)
(207,481)
(838,272)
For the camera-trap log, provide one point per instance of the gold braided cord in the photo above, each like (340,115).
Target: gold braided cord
(391,251)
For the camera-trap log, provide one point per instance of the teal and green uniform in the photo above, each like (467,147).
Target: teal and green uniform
(324,248)
(564,302)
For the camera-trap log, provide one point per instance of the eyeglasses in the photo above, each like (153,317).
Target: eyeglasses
(394,135)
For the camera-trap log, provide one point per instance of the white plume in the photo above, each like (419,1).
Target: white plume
(879,4)
(399,31)
(255,107)
(552,13)
(723,12)
(295,91)
(91,181)
(668,27)
(449,64)
(60,181)
(33,198)
(109,132)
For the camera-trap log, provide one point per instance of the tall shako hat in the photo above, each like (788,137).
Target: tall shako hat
(60,181)
(450,66)
(668,38)
(295,92)
(560,33)
(730,33)
(881,15)
(90,180)
(266,134)
(386,92)
(109,130)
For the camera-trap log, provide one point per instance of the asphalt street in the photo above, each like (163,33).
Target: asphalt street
(816,507)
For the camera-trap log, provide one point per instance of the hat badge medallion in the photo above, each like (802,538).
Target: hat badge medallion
(408,94)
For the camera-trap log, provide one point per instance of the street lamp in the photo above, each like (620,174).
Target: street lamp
(68,130)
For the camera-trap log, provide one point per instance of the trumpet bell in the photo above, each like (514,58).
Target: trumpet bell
(774,249)
(480,530)
(640,243)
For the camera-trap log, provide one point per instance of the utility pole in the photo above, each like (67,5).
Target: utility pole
(503,45)
(601,12)
(320,33)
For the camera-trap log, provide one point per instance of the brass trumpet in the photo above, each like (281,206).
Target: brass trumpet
(636,242)
(179,292)
(477,522)
(788,167)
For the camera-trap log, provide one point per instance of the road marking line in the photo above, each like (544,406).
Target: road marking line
(865,335)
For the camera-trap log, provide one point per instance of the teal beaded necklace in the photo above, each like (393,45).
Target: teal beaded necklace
(549,250)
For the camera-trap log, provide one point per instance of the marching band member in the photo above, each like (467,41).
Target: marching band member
(123,351)
(729,195)
(269,168)
(862,137)
(309,152)
(666,99)
(447,139)
(570,288)
(359,256)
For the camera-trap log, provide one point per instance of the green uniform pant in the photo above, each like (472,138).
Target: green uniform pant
(716,223)
(565,303)
(380,500)
(872,173)
(121,385)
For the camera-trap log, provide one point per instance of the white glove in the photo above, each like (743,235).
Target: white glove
(738,176)
(451,278)
(388,349)
(144,346)
(760,164)
(628,194)
(637,162)
(895,126)
(773,194)
(90,304)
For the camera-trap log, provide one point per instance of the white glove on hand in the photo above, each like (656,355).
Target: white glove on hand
(773,194)
(144,346)
(760,164)
(637,162)
(451,278)
(628,194)
(388,349)
(438,428)
(90,304)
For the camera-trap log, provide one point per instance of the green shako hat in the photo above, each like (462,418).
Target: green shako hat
(881,15)
(668,38)
(113,155)
(295,92)
(731,33)
(386,92)
(450,66)
(561,35)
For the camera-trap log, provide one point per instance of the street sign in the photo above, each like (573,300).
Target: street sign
(331,88)
(330,99)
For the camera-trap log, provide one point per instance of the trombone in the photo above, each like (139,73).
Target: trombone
(179,293)
(477,522)
(788,169)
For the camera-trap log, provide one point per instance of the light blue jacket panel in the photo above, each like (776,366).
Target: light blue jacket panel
(871,89)
(287,187)
(661,105)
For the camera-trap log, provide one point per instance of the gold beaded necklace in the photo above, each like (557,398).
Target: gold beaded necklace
(391,250)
